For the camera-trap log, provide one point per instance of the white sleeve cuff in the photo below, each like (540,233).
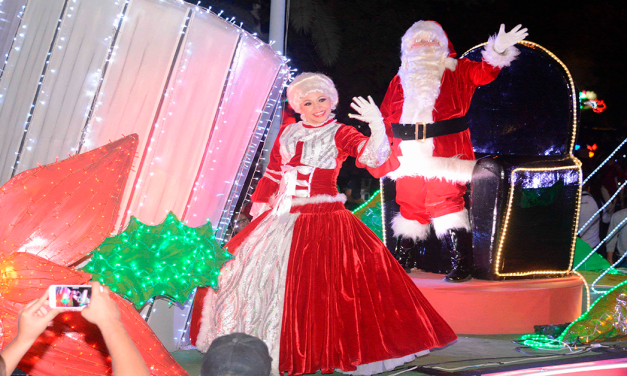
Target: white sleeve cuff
(496,59)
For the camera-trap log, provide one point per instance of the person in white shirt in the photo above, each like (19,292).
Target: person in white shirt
(588,207)
(619,240)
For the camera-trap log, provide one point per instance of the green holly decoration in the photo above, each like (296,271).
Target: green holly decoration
(169,259)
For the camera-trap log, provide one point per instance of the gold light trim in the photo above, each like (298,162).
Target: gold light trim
(574,95)
(383,212)
(507,217)
(571,157)
(587,289)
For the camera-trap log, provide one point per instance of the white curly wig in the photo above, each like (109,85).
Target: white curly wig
(307,83)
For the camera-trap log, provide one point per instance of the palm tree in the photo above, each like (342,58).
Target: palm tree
(312,17)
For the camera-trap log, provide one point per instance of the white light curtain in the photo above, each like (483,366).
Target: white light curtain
(69,85)
(9,22)
(198,90)
(253,75)
(186,120)
(133,86)
(20,80)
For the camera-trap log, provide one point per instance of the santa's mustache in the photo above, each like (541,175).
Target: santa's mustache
(425,53)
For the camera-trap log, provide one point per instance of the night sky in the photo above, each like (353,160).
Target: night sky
(586,36)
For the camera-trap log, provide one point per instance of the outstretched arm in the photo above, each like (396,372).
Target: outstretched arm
(377,149)
(505,40)
(32,321)
(104,312)
(500,50)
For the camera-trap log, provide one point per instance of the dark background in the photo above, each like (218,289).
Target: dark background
(587,36)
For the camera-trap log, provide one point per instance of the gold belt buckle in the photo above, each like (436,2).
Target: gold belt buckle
(424,132)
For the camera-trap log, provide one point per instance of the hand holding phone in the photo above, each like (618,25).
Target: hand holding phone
(69,297)
(35,317)
(102,311)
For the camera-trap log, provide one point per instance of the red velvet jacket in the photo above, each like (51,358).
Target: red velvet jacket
(456,91)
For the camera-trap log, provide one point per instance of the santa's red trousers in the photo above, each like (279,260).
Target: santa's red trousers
(422,199)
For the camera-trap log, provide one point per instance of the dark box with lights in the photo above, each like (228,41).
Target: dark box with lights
(525,191)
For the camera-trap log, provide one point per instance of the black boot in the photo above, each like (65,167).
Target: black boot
(404,249)
(427,254)
(459,245)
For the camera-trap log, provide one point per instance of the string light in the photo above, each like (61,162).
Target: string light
(576,162)
(598,212)
(99,78)
(605,161)
(571,86)
(546,342)
(169,260)
(70,345)
(367,203)
(503,236)
(609,236)
(272,111)
(594,283)
(101,81)
(383,219)
(585,283)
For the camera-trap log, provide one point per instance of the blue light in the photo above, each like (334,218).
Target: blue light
(577,147)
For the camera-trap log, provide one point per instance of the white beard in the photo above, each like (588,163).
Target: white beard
(421,74)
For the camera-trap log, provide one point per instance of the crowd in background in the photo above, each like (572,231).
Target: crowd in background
(599,190)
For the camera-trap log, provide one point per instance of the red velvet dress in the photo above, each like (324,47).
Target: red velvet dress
(346,303)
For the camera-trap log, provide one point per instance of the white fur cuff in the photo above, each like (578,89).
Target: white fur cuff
(496,59)
(408,228)
(319,199)
(450,169)
(451,221)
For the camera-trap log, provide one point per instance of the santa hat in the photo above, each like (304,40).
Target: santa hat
(307,83)
(431,27)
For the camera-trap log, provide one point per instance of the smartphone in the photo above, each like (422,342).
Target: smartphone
(69,297)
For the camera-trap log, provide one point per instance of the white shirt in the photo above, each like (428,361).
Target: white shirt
(619,240)
(587,209)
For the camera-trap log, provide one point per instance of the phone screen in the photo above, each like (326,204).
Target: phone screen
(72,296)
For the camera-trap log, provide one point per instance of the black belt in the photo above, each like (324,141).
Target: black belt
(422,131)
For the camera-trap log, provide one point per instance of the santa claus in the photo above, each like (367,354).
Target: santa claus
(424,111)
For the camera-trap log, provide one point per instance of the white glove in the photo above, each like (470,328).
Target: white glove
(368,112)
(505,40)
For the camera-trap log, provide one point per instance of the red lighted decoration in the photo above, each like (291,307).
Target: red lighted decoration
(52,217)
(591,150)
(600,106)
(62,211)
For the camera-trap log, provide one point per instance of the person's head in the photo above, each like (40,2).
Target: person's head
(425,52)
(313,96)
(240,221)
(236,354)
(425,38)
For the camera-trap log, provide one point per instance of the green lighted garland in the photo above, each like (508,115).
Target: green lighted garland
(374,195)
(546,342)
(370,214)
(169,259)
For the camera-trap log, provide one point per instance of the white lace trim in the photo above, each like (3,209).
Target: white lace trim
(375,154)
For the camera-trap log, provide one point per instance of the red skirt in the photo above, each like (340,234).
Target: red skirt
(347,300)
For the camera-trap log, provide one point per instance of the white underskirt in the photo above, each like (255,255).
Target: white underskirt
(383,365)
